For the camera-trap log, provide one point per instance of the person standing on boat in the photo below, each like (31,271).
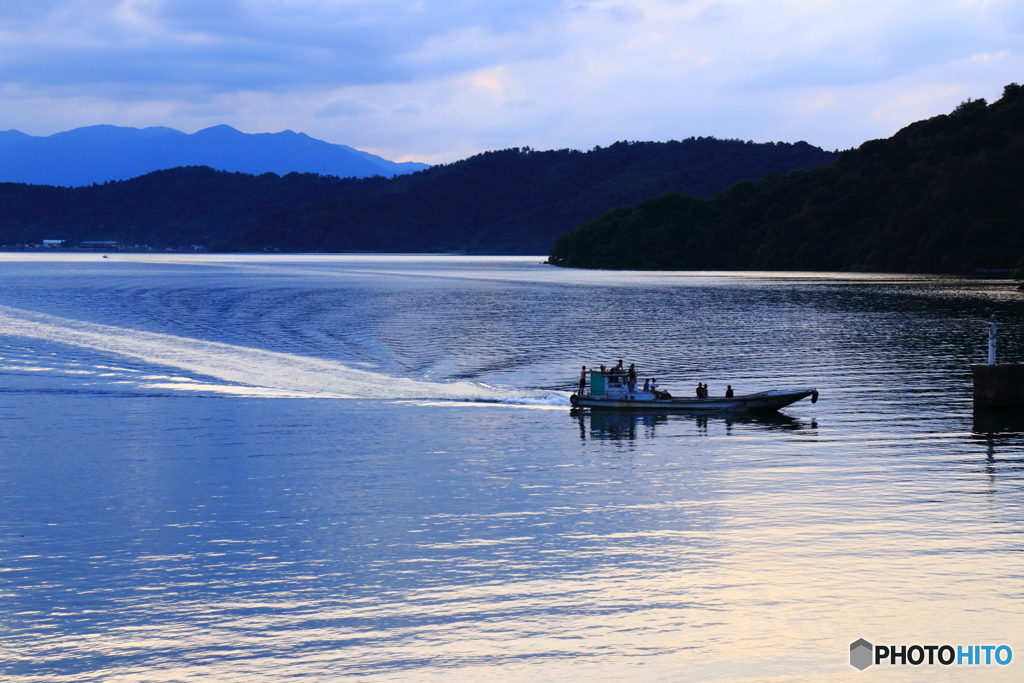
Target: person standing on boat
(700,390)
(728,391)
(583,380)
(632,376)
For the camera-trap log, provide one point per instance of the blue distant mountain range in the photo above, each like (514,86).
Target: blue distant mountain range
(96,154)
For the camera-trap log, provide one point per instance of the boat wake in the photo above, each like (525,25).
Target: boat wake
(235,370)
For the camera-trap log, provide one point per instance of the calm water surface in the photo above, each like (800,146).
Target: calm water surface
(330,468)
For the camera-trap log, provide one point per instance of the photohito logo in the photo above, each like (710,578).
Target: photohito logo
(863,654)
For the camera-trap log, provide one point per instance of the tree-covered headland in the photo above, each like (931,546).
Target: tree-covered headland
(945,195)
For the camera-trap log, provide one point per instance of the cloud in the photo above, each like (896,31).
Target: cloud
(345,107)
(263,44)
(438,80)
(626,13)
(408,109)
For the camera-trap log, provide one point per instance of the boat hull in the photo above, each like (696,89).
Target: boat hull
(762,402)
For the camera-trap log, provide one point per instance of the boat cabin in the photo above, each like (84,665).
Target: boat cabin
(615,385)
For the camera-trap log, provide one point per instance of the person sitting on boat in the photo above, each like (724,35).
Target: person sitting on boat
(700,390)
(728,391)
(583,380)
(617,367)
(647,384)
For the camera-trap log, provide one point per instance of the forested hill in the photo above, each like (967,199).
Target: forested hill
(945,195)
(514,201)
(518,201)
(178,207)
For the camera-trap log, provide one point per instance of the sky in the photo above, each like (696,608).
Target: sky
(437,81)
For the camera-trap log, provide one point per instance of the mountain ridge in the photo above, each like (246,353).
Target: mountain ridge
(102,153)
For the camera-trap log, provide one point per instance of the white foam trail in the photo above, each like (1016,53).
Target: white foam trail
(265,373)
(547,400)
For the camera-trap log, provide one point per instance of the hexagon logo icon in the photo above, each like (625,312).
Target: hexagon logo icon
(861,652)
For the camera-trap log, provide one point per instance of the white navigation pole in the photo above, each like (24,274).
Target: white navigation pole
(992,343)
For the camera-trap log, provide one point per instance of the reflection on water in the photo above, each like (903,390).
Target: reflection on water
(617,425)
(1001,431)
(993,421)
(631,425)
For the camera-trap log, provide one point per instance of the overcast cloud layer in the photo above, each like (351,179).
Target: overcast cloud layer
(437,81)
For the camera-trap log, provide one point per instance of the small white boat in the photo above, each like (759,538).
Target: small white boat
(612,389)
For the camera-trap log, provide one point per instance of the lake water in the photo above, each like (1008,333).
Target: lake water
(234,468)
